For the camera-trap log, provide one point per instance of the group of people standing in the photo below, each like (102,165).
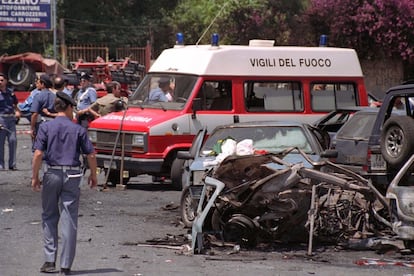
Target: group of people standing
(58,143)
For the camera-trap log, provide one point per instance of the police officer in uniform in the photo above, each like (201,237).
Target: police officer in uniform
(59,144)
(42,108)
(9,114)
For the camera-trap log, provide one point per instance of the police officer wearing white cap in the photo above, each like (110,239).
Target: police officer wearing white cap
(85,97)
(59,143)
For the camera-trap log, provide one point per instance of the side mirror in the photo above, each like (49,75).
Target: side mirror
(196,106)
(329,153)
(120,105)
(185,155)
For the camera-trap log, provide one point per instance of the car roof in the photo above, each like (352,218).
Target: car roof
(397,89)
(368,110)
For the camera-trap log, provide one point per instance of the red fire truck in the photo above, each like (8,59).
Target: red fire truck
(22,70)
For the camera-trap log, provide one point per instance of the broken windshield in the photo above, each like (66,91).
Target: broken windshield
(270,138)
(163,91)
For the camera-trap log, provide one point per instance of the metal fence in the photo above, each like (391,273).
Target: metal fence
(87,53)
(90,53)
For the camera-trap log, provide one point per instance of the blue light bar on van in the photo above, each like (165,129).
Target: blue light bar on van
(323,41)
(215,40)
(179,39)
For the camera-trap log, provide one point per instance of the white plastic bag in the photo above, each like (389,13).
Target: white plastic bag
(245,147)
(227,148)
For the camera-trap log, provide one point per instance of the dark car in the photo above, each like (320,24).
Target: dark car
(376,142)
(350,143)
(335,119)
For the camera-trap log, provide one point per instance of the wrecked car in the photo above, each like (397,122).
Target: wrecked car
(251,199)
(401,195)
(243,139)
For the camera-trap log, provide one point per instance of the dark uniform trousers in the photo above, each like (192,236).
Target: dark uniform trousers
(60,182)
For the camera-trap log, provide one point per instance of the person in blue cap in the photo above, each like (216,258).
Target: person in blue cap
(59,144)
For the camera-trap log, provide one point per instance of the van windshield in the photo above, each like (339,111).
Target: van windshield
(163,91)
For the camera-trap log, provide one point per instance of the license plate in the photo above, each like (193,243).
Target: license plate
(377,162)
(106,165)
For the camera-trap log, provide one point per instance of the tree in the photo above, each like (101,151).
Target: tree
(375,28)
(236,21)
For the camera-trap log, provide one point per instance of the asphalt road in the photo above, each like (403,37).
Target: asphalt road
(118,230)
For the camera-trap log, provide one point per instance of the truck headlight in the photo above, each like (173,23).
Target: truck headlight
(93,136)
(138,140)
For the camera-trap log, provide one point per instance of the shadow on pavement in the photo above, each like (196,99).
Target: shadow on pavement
(98,271)
(146,186)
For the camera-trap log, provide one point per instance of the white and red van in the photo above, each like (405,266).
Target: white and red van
(211,85)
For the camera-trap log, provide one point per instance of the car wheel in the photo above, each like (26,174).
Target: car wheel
(177,170)
(188,208)
(397,144)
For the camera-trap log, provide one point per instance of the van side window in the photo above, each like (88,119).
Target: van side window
(330,96)
(273,96)
(216,95)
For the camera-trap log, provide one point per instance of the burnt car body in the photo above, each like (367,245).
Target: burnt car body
(401,195)
(245,200)
(267,137)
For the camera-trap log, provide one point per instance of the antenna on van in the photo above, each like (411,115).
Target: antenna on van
(212,22)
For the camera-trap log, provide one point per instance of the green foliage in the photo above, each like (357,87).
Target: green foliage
(375,28)
(236,21)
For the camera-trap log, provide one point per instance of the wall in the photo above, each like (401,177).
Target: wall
(381,75)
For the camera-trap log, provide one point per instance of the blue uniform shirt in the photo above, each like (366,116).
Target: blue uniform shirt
(25,107)
(7,101)
(44,99)
(157,95)
(62,142)
(86,97)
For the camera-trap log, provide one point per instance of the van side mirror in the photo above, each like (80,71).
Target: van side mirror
(120,105)
(197,105)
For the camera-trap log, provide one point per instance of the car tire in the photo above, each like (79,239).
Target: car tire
(188,208)
(397,144)
(21,74)
(177,170)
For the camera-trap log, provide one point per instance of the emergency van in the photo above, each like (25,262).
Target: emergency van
(190,87)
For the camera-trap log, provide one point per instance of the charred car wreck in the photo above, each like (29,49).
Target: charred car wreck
(259,198)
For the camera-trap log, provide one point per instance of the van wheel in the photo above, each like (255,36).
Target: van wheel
(188,208)
(397,144)
(177,171)
(20,74)
(113,178)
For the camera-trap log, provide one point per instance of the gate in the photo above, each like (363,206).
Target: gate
(90,53)
(87,53)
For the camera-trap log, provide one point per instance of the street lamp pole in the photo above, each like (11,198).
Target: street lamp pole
(54,16)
